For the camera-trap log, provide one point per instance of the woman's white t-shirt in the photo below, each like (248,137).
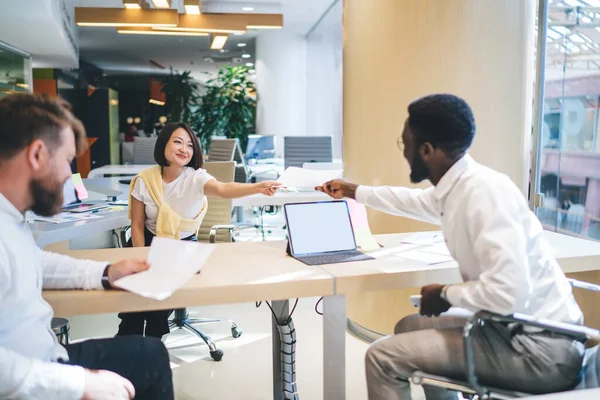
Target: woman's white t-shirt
(185,195)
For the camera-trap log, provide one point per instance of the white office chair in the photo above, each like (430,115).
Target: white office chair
(229,150)
(472,388)
(298,150)
(216,228)
(143,150)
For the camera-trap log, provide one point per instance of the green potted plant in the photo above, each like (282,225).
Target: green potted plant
(228,107)
(181,92)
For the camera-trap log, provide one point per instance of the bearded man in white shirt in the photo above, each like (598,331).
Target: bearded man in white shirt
(506,265)
(39,138)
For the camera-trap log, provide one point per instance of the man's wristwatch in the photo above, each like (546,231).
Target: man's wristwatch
(105,282)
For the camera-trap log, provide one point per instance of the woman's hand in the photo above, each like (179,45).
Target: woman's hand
(268,188)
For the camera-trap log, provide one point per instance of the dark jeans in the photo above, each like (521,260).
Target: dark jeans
(144,361)
(157,322)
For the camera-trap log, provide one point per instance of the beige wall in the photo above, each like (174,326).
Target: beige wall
(399,50)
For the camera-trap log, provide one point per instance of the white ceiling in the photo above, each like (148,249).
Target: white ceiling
(117,53)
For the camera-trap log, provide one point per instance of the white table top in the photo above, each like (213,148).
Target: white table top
(256,200)
(132,169)
(388,272)
(235,272)
(46,233)
(247,271)
(280,198)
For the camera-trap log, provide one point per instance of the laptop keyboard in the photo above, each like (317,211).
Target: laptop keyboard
(334,258)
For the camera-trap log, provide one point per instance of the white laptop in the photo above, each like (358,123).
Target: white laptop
(321,233)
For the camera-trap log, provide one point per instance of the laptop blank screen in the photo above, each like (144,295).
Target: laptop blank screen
(319,227)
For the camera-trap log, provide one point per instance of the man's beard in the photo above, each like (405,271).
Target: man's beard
(419,171)
(47,201)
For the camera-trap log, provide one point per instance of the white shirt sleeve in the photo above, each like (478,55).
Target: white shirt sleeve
(200,178)
(63,272)
(139,190)
(26,378)
(411,203)
(499,244)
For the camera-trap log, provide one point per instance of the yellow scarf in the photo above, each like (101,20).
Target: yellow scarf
(168,223)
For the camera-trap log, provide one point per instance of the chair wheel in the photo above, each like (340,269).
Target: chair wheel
(217,355)
(236,332)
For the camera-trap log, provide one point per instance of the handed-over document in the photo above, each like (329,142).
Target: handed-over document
(295,177)
(172,264)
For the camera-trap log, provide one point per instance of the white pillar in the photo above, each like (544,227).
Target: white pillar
(281,85)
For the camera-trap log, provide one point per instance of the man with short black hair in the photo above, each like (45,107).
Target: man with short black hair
(506,264)
(39,138)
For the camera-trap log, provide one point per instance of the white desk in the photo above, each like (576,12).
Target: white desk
(118,169)
(280,198)
(111,183)
(235,272)
(256,200)
(46,233)
(251,271)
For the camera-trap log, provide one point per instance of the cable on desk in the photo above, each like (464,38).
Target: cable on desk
(317,306)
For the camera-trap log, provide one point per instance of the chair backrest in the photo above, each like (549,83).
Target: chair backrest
(222,150)
(591,369)
(143,150)
(298,150)
(219,210)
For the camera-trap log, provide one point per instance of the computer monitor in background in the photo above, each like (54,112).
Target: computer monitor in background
(260,147)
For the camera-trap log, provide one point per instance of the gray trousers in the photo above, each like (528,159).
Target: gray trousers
(527,362)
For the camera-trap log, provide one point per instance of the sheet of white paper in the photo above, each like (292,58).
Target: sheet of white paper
(425,238)
(63,217)
(294,177)
(423,257)
(172,264)
(438,248)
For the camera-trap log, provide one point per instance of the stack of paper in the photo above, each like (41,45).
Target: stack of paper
(172,264)
(360,223)
(424,257)
(294,177)
(62,217)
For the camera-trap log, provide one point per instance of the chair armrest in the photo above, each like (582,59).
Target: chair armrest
(584,285)
(216,228)
(574,331)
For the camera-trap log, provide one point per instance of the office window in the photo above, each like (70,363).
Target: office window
(569,162)
(15,70)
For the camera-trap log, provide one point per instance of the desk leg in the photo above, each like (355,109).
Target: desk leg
(334,347)
(239,214)
(284,353)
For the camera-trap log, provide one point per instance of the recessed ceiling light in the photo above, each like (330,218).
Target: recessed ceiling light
(249,64)
(248,8)
(246,56)
(252,71)
(241,44)
(238,33)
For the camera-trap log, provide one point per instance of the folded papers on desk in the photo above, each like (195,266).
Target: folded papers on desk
(425,238)
(172,264)
(424,257)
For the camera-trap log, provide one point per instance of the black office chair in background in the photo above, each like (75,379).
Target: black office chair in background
(473,389)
